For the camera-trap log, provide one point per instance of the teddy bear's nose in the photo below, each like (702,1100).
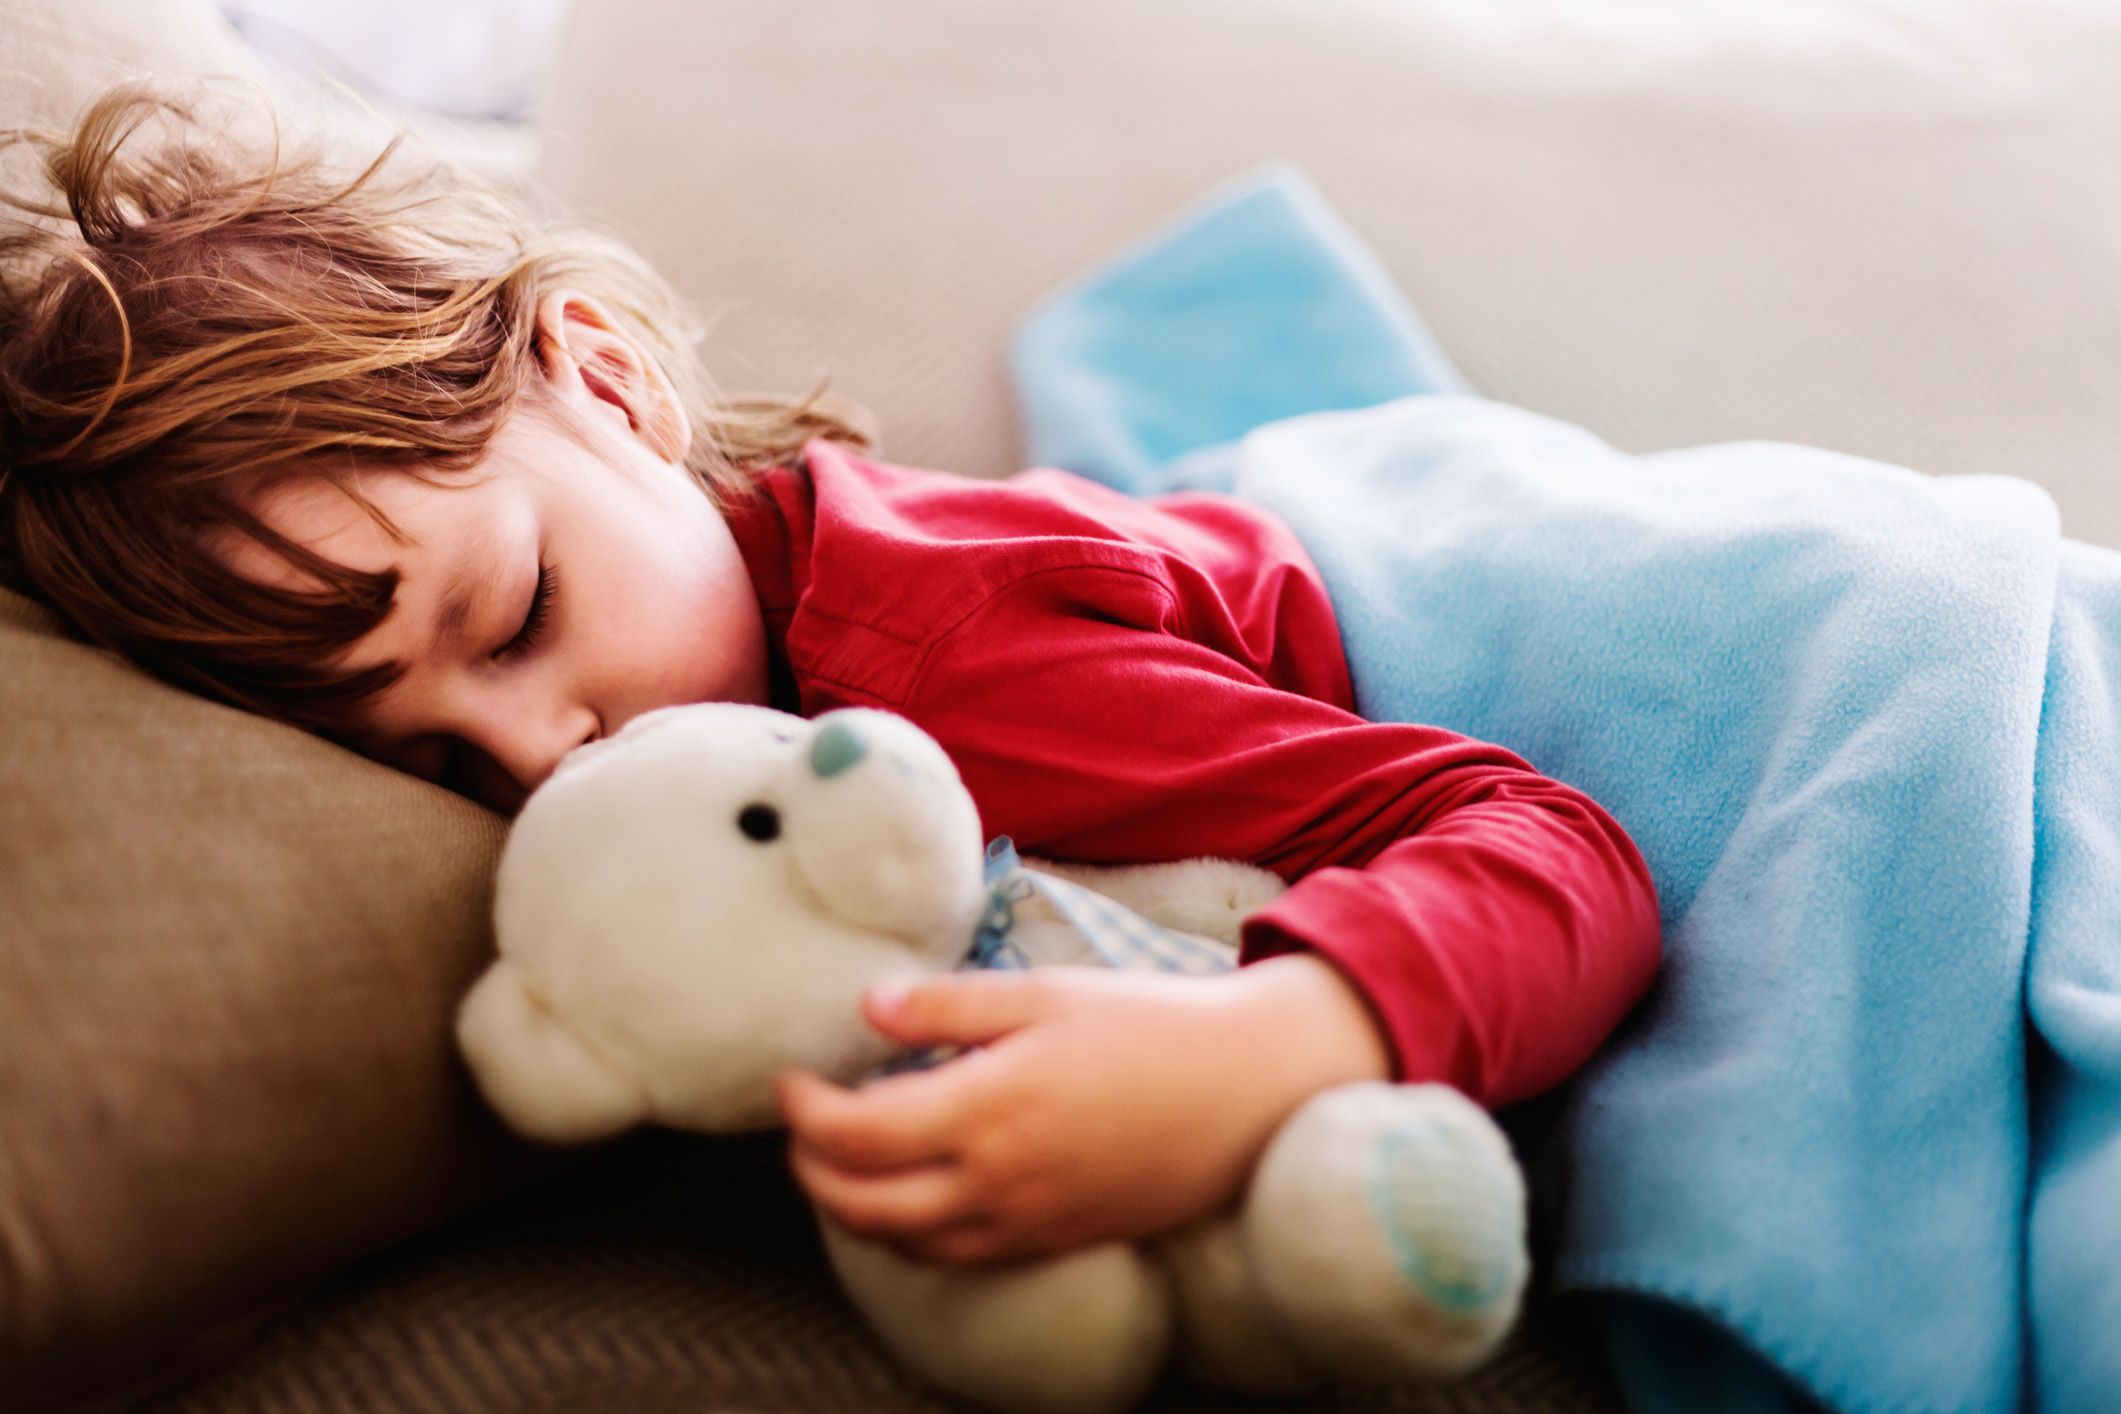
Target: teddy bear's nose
(836,747)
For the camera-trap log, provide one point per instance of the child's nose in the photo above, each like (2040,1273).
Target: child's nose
(531,756)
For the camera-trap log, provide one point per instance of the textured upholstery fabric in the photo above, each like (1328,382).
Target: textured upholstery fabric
(229,952)
(55,55)
(620,1287)
(59,53)
(1882,227)
(229,960)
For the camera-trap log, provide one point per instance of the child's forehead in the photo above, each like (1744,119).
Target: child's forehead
(327,518)
(438,510)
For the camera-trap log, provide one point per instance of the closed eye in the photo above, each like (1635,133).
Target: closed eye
(535,620)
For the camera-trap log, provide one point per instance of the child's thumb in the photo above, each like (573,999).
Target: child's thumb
(956,1009)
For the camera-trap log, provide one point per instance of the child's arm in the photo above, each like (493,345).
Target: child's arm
(1494,923)
(1100,1105)
(1498,922)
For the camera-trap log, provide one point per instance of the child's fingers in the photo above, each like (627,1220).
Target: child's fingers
(908,1203)
(887,1124)
(958,1008)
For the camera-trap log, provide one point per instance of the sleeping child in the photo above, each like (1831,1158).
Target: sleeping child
(379,456)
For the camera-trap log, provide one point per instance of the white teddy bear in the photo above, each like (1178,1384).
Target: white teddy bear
(696,904)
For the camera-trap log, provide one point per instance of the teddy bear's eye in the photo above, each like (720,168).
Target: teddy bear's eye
(760,822)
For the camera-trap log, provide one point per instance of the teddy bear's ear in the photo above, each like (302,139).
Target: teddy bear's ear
(535,1070)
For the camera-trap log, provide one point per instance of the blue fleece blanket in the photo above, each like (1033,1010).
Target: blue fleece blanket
(1863,1142)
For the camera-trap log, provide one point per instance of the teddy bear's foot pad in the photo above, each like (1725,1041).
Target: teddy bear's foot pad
(1386,1225)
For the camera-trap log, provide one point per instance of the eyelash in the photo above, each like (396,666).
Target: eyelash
(534,622)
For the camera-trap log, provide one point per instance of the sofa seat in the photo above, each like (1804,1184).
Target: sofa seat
(672,1272)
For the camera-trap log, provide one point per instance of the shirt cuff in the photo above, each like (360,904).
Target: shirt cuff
(1426,1025)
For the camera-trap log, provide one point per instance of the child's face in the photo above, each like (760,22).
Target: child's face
(649,605)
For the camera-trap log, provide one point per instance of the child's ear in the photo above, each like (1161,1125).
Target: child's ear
(587,356)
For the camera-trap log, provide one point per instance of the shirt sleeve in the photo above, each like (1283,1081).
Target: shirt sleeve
(1498,923)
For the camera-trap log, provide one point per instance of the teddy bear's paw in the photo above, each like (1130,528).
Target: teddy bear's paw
(1227,1336)
(1205,897)
(1082,1332)
(1386,1225)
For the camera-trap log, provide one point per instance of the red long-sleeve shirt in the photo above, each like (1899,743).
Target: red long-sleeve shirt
(1129,679)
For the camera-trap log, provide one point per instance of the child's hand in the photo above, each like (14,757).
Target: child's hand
(1101,1105)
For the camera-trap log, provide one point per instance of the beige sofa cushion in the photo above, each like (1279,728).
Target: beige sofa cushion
(1883,228)
(229,953)
(615,1290)
(229,960)
(59,53)
(56,55)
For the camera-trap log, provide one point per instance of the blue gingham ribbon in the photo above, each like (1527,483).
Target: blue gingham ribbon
(1123,938)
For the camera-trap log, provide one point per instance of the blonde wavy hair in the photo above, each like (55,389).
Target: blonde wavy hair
(195,321)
